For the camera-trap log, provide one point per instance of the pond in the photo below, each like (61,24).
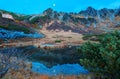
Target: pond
(64,61)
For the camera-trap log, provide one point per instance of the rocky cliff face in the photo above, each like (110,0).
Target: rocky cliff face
(86,21)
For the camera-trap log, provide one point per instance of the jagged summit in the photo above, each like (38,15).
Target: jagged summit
(89,12)
(88,20)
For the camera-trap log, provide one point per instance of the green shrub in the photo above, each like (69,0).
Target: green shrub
(58,41)
(21,18)
(102,58)
(16,28)
(0,14)
(89,36)
(34,20)
(41,19)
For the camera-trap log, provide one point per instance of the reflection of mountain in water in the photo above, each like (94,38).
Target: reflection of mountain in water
(47,57)
(56,56)
(50,62)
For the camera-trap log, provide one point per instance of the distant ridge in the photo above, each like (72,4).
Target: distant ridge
(86,21)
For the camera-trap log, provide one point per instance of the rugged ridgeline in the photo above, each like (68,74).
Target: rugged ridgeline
(86,21)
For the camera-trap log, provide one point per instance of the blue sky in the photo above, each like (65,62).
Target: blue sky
(38,6)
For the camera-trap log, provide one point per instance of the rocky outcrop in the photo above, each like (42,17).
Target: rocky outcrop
(86,20)
(8,16)
(117,12)
(89,12)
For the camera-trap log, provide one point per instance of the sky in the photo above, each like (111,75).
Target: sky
(38,6)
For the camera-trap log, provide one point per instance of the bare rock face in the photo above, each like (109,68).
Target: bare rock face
(117,12)
(85,21)
(89,12)
(8,16)
(58,26)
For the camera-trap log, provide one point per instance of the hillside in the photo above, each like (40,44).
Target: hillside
(87,21)
(54,44)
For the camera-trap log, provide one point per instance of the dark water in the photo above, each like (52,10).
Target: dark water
(50,62)
(48,57)
(57,61)
(55,56)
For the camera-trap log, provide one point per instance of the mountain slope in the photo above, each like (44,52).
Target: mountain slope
(87,21)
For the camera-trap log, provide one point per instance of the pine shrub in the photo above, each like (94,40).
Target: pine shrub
(102,58)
